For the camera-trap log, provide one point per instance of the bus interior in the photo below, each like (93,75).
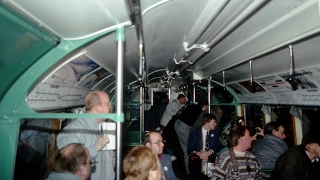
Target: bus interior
(257,58)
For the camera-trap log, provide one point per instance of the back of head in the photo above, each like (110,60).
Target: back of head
(70,158)
(311,137)
(139,162)
(207,118)
(271,126)
(236,120)
(236,133)
(203,103)
(92,99)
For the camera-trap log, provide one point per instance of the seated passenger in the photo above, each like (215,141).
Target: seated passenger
(237,162)
(142,164)
(268,148)
(204,141)
(154,141)
(299,162)
(224,137)
(72,162)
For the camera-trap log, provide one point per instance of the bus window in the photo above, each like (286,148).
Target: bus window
(254,117)
(36,148)
(310,119)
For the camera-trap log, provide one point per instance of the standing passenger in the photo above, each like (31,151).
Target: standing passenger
(87,132)
(154,141)
(183,125)
(299,162)
(237,162)
(268,148)
(172,108)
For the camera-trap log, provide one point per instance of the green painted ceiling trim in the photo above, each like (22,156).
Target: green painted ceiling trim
(235,98)
(18,92)
(12,73)
(21,44)
(13,106)
(26,24)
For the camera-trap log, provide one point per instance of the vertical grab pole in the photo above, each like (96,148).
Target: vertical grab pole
(120,38)
(291,60)
(142,104)
(194,91)
(209,94)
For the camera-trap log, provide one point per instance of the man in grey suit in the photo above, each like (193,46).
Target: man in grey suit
(154,141)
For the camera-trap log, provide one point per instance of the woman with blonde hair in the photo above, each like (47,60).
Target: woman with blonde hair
(141,163)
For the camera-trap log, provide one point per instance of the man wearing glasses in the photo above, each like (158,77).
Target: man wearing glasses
(154,141)
(268,148)
(72,163)
(87,131)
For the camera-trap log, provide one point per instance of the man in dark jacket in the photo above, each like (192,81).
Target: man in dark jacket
(298,162)
(204,142)
(183,125)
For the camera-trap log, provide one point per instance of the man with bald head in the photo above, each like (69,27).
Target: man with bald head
(72,163)
(87,131)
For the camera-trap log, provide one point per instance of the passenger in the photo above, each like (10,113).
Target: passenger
(237,162)
(299,162)
(224,137)
(198,122)
(172,108)
(72,162)
(142,164)
(222,117)
(86,132)
(154,141)
(204,141)
(183,125)
(154,115)
(268,148)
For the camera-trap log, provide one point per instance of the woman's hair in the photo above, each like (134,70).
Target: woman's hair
(70,159)
(236,133)
(139,162)
(92,99)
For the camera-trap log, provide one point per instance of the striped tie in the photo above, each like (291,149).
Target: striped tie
(206,147)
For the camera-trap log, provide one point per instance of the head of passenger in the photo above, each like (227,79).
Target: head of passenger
(311,142)
(154,141)
(204,104)
(141,163)
(209,122)
(98,102)
(182,99)
(240,138)
(220,110)
(74,158)
(237,120)
(275,129)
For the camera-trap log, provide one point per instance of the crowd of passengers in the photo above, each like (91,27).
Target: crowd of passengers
(213,147)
